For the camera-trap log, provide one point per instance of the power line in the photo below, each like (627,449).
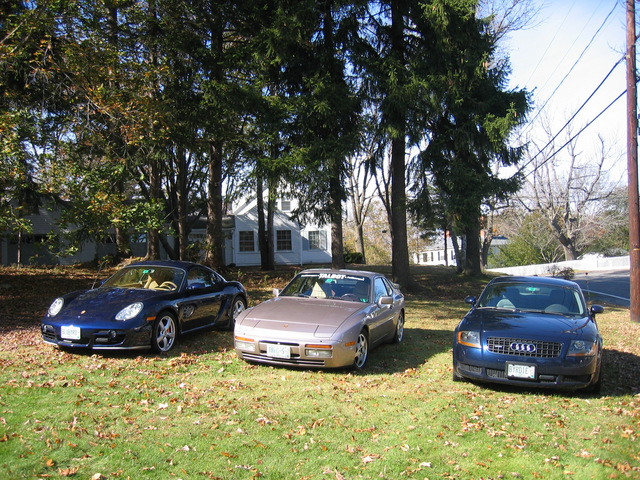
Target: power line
(573,137)
(593,37)
(568,122)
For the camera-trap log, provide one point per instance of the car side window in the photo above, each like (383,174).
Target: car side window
(380,289)
(200,278)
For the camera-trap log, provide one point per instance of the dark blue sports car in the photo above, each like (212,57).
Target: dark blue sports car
(530,332)
(144,305)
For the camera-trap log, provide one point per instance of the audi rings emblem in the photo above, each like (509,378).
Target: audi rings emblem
(523,347)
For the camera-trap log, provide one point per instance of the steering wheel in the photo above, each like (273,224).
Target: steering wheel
(168,286)
(351,296)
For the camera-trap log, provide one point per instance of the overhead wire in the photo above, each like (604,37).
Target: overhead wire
(568,122)
(593,37)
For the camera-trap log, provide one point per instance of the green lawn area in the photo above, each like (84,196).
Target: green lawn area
(200,413)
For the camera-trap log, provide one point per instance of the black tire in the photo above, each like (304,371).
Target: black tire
(238,306)
(597,386)
(164,333)
(398,335)
(362,350)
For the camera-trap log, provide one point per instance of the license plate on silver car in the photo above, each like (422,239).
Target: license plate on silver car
(279,351)
(517,370)
(70,333)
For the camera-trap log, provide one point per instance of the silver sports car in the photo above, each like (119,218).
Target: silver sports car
(323,319)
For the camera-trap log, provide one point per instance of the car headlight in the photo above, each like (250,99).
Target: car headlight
(55,307)
(582,348)
(127,313)
(245,344)
(469,338)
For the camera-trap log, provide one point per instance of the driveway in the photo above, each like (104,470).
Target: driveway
(606,286)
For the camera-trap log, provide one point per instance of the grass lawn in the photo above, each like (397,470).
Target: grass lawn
(200,413)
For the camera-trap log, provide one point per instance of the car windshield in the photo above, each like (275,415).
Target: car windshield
(533,297)
(329,285)
(148,277)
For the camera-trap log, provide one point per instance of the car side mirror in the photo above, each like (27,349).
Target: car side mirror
(470,300)
(385,301)
(195,286)
(276,292)
(596,309)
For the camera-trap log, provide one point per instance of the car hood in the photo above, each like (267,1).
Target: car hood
(105,302)
(521,324)
(320,317)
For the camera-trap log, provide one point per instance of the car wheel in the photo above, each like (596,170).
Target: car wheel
(362,350)
(163,335)
(399,333)
(239,305)
(597,386)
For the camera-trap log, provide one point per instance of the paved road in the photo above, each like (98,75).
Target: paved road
(606,286)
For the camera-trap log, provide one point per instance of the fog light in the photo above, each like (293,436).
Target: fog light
(312,352)
(112,333)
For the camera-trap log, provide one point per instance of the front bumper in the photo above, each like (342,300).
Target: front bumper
(294,353)
(107,338)
(563,372)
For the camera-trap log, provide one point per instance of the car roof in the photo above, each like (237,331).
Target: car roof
(552,281)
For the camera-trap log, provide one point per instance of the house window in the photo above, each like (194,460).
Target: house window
(318,240)
(424,257)
(431,253)
(283,240)
(245,241)
(285,205)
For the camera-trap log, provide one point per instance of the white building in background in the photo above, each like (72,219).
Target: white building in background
(436,254)
(294,244)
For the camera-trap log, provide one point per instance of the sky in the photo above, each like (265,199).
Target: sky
(562,59)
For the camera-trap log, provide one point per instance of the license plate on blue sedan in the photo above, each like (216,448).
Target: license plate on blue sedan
(518,370)
(279,351)
(70,333)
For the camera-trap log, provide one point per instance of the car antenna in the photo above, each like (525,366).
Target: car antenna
(101,264)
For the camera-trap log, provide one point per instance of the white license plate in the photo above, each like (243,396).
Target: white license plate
(521,371)
(279,351)
(70,333)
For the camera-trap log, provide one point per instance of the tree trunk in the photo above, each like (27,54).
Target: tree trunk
(153,237)
(337,247)
(472,263)
(266,254)
(270,233)
(488,238)
(181,204)
(457,252)
(399,249)
(335,206)
(214,256)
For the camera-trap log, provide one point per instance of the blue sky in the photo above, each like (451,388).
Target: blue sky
(581,40)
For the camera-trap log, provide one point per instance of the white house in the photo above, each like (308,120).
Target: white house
(436,254)
(294,244)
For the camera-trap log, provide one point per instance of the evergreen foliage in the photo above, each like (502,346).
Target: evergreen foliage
(137,115)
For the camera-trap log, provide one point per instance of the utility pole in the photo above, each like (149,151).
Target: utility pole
(632,164)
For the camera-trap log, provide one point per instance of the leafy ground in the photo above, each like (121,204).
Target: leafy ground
(201,413)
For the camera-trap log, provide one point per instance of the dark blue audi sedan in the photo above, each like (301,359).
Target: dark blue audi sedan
(144,305)
(530,332)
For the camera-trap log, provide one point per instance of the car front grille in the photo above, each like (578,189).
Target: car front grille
(524,348)
(282,361)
